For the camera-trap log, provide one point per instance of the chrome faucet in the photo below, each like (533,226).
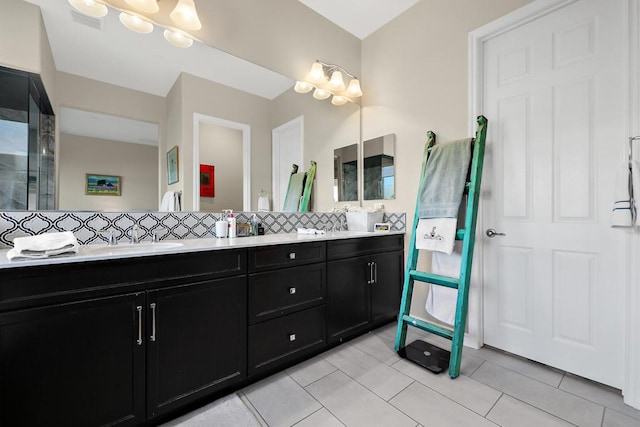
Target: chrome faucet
(134,234)
(111,239)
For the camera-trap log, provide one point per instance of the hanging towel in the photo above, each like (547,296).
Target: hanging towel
(171,201)
(446,174)
(441,194)
(441,302)
(44,246)
(294,192)
(626,195)
(436,234)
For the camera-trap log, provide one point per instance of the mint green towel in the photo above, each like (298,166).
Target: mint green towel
(294,192)
(446,175)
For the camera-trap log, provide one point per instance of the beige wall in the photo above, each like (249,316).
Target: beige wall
(222,147)
(136,163)
(414,80)
(91,95)
(222,102)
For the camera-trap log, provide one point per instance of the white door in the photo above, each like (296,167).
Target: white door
(287,146)
(554,97)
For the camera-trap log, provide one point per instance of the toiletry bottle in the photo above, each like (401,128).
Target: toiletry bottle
(232,224)
(254,225)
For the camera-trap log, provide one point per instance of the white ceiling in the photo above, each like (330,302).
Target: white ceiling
(359,17)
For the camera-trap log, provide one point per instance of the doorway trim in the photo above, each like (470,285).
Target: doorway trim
(246,157)
(476,40)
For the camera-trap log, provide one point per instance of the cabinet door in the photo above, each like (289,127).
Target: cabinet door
(386,288)
(347,297)
(196,337)
(76,364)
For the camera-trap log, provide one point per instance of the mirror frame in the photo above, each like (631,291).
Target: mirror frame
(246,157)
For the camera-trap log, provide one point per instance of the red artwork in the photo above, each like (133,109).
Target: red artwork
(207,180)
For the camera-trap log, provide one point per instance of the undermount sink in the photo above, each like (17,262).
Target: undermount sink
(131,248)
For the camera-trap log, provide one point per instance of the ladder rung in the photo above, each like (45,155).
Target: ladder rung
(460,233)
(436,279)
(429,327)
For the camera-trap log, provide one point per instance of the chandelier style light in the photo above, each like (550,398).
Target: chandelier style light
(328,80)
(184,16)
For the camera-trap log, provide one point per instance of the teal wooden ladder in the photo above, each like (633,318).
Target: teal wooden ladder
(467,235)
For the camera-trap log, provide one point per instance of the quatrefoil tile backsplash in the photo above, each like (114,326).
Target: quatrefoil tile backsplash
(92,227)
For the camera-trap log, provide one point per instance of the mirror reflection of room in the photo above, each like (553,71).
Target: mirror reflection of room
(379,169)
(345,173)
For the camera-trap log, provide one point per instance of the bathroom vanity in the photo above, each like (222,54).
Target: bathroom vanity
(129,339)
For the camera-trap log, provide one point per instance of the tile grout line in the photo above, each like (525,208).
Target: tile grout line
(254,411)
(541,410)
(408,385)
(493,406)
(603,413)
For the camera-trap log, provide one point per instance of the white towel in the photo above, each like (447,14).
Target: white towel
(310,231)
(44,246)
(436,234)
(441,302)
(170,202)
(626,196)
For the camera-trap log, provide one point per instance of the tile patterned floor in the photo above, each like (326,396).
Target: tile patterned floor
(364,383)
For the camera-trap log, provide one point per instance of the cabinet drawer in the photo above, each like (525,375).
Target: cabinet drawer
(274,293)
(274,342)
(278,256)
(364,246)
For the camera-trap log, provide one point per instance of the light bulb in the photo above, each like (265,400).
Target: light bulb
(316,75)
(321,94)
(135,23)
(90,7)
(147,6)
(354,88)
(185,15)
(336,83)
(177,39)
(303,87)
(339,100)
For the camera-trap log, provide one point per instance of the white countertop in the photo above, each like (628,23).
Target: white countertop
(99,252)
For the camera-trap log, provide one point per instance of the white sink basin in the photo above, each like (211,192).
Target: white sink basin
(128,248)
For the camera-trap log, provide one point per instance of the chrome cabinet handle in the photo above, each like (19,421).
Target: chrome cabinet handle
(375,272)
(292,255)
(292,291)
(292,337)
(491,233)
(153,321)
(139,340)
(370,281)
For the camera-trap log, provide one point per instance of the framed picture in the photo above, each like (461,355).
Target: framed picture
(102,185)
(207,181)
(172,165)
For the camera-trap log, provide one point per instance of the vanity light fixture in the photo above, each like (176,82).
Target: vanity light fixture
(184,16)
(327,80)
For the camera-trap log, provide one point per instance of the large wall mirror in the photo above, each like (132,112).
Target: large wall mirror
(379,169)
(104,69)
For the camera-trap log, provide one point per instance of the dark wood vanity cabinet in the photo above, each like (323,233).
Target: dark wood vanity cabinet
(101,357)
(74,364)
(196,341)
(287,295)
(364,280)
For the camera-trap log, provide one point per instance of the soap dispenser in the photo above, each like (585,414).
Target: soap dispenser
(232,224)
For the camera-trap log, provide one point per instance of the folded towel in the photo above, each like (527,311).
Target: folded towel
(44,246)
(436,234)
(626,195)
(446,174)
(441,302)
(171,202)
(310,231)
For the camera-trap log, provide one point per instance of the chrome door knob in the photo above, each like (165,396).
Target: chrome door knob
(491,232)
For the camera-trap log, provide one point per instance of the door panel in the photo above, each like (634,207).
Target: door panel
(554,96)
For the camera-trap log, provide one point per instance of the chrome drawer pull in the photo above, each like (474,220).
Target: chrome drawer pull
(292,337)
(139,340)
(292,291)
(292,255)
(153,321)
